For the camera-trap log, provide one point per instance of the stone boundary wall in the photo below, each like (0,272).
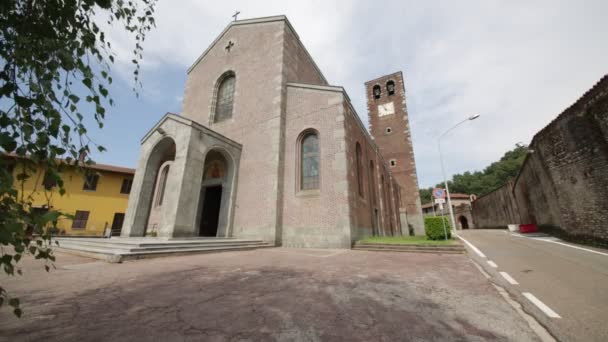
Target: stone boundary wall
(496,209)
(562,185)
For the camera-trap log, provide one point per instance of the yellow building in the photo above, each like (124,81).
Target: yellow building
(98,202)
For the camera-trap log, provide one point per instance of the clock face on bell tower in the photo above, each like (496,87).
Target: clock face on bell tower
(386,109)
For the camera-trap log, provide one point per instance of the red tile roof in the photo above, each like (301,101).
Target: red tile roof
(99,167)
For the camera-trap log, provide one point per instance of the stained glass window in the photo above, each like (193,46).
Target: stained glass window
(310,162)
(225,99)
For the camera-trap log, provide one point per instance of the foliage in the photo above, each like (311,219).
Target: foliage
(406,240)
(426,195)
(482,182)
(54,76)
(434,227)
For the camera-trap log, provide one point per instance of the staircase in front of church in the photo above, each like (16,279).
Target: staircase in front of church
(117,249)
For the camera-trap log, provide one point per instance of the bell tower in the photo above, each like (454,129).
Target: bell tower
(390,129)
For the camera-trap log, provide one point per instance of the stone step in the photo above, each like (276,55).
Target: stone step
(452,249)
(410,250)
(119,249)
(144,242)
(154,246)
(112,255)
(377,245)
(156,249)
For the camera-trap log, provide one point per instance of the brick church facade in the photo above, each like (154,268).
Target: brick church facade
(265,148)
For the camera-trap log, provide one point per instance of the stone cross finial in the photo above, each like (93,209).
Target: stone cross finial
(229,45)
(235,15)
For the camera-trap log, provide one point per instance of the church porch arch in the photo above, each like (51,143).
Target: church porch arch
(216,198)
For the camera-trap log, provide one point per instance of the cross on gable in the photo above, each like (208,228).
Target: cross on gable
(229,45)
(235,15)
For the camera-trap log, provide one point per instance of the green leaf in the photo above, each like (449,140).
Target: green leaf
(7,142)
(50,216)
(74,98)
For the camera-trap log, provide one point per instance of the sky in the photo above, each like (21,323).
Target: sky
(516,63)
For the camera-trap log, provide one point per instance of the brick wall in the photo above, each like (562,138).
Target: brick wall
(256,60)
(279,92)
(264,57)
(337,214)
(316,218)
(376,195)
(392,135)
(562,184)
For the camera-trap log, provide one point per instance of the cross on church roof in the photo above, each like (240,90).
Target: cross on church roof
(235,15)
(229,45)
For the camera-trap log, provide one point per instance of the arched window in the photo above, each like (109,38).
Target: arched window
(162,183)
(309,162)
(377,91)
(225,99)
(390,87)
(359,169)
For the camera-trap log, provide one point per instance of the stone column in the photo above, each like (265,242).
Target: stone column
(188,186)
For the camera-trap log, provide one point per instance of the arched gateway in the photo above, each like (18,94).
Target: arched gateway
(185,184)
(464,223)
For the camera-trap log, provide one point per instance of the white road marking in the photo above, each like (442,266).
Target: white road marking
(542,306)
(571,246)
(475,249)
(492,263)
(509,278)
(542,333)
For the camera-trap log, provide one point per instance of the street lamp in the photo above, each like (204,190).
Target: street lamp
(447,190)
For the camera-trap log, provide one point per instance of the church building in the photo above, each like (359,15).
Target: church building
(266,149)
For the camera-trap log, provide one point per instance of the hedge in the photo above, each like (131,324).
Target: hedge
(434,227)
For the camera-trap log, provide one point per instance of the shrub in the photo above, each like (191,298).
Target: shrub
(434,227)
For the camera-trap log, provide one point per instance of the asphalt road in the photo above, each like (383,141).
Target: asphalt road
(571,282)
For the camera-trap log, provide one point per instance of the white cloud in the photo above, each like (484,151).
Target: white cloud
(517,63)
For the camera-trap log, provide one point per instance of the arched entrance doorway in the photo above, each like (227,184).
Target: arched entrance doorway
(464,223)
(215,195)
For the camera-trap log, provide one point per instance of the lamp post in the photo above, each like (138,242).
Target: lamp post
(447,190)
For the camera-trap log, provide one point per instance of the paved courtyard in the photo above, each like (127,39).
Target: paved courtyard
(270,294)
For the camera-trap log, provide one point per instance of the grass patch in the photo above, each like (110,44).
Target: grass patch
(407,240)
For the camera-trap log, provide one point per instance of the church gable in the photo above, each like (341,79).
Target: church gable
(251,53)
